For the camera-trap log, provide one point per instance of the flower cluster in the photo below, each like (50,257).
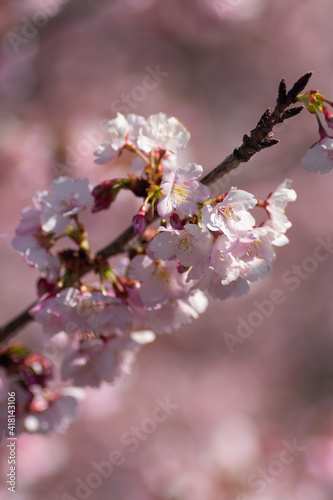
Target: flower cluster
(203,246)
(225,251)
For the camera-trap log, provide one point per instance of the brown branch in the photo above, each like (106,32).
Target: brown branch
(260,138)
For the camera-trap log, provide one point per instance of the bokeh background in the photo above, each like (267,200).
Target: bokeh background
(66,67)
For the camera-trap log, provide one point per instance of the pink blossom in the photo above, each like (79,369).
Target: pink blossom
(172,314)
(277,202)
(161,131)
(230,216)
(97,360)
(181,191)
(159,281)
(67,198)
(175,314)
(74,311)
(123,130)
(319,158)
(233,267)
(212,284)
(190,245)
(38,256)
(256,253)
(30,221)
(33,243)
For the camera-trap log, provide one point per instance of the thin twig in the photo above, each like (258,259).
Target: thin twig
(260,138)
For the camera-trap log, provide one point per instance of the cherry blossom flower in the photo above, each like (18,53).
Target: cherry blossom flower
(161,131)
(319,158)
(67,198)
(190,245)
(38,256)
(74,311)
(172,314)
(181,191)
(97,360)
(33,243)
(232,268)
(123,130)
(160,281)
(230,216)
(212,284)
(177,313)
(255,252)
(30,220)
(277,202)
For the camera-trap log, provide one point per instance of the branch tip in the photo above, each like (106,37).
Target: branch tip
(282,95)
(299,86)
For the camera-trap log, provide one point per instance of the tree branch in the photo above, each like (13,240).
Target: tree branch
(260,138)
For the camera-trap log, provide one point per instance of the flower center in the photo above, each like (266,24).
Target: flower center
(253,248)
(227,212)
(181,193)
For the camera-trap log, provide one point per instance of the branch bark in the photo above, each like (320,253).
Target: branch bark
(260,138)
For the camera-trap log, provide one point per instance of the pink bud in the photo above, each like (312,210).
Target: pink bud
(328,117)
(104,195)
(139,223)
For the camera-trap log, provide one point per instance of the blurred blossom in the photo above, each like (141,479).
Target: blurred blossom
(235,446)
(320,457)
(49,456)
(237,10)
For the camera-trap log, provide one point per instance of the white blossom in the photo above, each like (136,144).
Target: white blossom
(181,191)
(276,204)
(161,131)
(230,216)
(67,198)
(123,130)
(96,360)
(190,245)
(319,158)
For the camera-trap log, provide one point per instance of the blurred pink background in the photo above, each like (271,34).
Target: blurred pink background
(67,66)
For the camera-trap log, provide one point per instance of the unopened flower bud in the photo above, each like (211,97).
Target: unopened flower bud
(104,194)
(328,117)
(139,220)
